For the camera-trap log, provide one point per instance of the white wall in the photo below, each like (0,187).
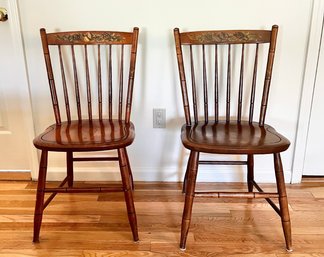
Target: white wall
(157,154)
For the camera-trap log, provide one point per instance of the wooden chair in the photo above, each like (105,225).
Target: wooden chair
(90,65)
(225,57)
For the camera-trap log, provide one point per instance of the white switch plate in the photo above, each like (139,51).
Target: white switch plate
(159,118)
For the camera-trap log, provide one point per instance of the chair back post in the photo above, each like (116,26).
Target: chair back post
(182,76)
(50,76)
(131,75)
(267,80)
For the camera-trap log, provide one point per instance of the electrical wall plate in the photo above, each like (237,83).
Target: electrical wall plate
(159,118)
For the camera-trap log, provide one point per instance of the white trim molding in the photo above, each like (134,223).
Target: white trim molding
(25,94)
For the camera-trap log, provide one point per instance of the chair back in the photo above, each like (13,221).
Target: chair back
(225,64)
(87,73)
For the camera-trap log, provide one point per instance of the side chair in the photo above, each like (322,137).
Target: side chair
(91,94)
(220,75)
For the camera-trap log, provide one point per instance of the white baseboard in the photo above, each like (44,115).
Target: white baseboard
(205,174)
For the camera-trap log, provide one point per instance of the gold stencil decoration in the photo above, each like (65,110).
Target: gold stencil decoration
(89,37)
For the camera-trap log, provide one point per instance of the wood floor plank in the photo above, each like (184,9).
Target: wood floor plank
(96,225)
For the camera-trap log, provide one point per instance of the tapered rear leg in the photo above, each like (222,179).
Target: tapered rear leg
(39,208)
(250,172)
(186,175)
(130,171)
(69,166)
(128,193)
(283,201)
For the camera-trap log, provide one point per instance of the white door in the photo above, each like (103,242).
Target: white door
(309,139)
(16,151)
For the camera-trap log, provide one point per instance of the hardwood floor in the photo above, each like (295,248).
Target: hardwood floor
(95,225)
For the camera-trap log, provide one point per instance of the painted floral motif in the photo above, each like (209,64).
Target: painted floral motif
(91,37)
(221,37)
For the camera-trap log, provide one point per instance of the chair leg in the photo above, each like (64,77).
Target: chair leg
(39,208)
(69,166)
(130,171)
(283,201)
(128,193)
(250,172)
(186,175)
(190,193)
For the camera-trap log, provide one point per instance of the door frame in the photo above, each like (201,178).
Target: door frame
(306,100)
(20,60)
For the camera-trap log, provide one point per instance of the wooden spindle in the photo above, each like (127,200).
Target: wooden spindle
(110,84)
(76,84)
(99,84)
(88,82)
(240,95)
(228,90)
(121,82)
(194,90)
(216,85)
(205,85)
(255,69)
(65,91)
(266,87)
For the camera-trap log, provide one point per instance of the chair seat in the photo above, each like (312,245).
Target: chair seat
(86,135)
(233,138)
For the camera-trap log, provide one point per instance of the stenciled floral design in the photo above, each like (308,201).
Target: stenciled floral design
(91,37)
(221,37)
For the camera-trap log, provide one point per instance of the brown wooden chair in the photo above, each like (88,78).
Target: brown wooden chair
(89,65)
(225,57)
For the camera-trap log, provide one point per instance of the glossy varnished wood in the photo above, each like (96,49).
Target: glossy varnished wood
(86,135)
(228,132)
(233,138)
(85,125)
(219,227)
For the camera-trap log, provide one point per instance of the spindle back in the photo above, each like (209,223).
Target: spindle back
(225,63)
(90,66)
